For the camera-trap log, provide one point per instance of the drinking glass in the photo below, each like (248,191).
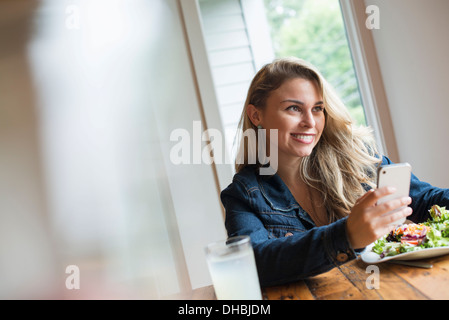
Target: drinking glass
(233,269)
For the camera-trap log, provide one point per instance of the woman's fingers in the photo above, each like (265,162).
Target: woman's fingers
(391,218)
(391,211)
(368,221)
(371,198)
(394,204)
(387,215)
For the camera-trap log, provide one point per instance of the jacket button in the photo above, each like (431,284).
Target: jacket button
(342,257)
(288,234)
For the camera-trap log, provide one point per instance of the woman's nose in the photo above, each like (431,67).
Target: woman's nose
(307,120)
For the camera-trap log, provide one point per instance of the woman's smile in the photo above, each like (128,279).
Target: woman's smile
(303,138)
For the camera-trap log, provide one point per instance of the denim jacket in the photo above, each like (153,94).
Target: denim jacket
(287,244)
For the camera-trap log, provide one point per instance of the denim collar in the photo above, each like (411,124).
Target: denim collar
(279,197)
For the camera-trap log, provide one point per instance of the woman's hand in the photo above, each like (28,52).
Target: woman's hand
(368,222)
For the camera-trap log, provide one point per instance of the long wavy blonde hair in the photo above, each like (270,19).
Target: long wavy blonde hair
(345,157)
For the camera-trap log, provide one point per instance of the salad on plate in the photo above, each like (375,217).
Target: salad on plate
(413,237)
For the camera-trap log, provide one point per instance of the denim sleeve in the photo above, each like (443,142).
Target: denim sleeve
(282,260)
(424,196)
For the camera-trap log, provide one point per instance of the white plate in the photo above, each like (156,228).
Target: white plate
(368,256)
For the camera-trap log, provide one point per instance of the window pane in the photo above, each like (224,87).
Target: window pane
(313,30)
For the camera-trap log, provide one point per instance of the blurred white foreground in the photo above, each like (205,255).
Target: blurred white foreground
(83,171)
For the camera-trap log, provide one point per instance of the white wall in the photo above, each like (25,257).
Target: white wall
(412,49)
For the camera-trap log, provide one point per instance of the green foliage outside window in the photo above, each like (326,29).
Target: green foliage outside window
(314,31)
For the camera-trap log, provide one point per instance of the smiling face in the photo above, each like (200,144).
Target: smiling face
(296,109)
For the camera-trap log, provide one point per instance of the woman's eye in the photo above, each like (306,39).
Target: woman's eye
(298,109)
(293,108)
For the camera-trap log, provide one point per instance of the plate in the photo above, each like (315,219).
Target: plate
(370,257)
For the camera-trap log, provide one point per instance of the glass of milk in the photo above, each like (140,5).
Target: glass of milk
(233,269)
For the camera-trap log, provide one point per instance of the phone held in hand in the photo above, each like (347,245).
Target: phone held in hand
(396,175)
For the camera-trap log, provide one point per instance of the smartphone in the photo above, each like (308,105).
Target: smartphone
(396,175)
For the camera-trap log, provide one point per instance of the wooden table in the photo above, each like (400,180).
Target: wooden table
(349,282)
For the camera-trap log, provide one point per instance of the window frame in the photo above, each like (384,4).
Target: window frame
(202,73)
(369,78)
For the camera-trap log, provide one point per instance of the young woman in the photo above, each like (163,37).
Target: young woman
(319,208)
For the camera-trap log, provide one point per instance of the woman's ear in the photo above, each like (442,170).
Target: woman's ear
(254,115)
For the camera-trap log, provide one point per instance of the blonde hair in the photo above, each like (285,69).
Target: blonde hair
(344,158)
